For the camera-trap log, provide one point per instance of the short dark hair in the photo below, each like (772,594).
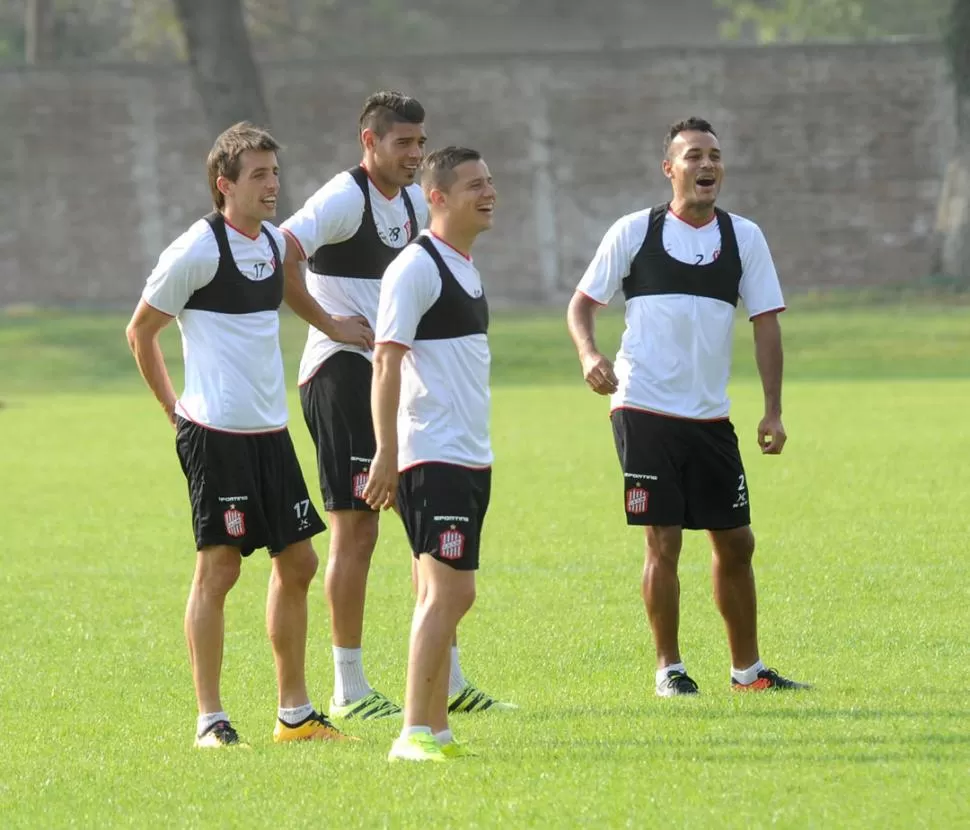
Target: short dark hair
(384,109)
(438,169)
(225,157)
(692,124)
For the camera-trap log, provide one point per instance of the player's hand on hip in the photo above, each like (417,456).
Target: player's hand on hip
(353,330)
(771,435)
(381,489)
(598,374)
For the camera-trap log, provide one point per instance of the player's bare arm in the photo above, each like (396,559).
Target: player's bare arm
(353,330)
(142,333)
(597,369)
(381,487)
(770,359)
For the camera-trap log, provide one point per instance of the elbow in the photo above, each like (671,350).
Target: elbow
(131,335)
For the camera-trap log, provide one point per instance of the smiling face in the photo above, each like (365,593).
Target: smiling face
(467,196)
(252,196)
(395,158)
(695,169)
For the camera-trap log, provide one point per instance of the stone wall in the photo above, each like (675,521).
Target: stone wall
(837,151)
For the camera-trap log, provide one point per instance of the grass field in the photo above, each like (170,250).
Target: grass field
(862,568)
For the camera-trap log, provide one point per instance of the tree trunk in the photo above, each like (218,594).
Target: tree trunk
(38,31)
(224,70)
(953,216)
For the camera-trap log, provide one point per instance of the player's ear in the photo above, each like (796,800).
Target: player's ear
(368,138)
(668,168)
(223,185)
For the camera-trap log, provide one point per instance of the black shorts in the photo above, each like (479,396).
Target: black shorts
(680,472)
(246,490)
(336,407)
(443,507)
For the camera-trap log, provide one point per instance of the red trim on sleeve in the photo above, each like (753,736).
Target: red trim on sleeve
(154,308)
(769,311)
(289,235)
(591,299)
(394,342)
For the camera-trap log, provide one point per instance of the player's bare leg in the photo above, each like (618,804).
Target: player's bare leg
(446,595)
(286,619)
(734,591)
(353,536)
(661,590)
(216,571)
(286,624)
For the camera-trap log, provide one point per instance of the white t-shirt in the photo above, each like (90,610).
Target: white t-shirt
(445,399)
(233,365)
(333,214)
(675,355)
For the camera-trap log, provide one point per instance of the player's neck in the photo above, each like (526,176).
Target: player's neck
(246,225)
(696,215)
(456,238)
(386,188)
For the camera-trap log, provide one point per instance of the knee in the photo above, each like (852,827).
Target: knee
(454,602)
(736,548)
(663,545)
(216,573)
(296,566)
(356,539)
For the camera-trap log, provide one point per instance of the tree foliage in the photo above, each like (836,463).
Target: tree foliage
(799,20)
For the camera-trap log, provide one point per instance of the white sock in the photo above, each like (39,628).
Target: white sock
(444,737)
(748,675)
(206,721)
(291,717)
(408,731)
(456,680)
(349,683)
(662,673)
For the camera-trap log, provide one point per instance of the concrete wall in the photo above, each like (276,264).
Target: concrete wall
(837,151)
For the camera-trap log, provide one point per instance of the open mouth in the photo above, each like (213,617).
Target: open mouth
(270,202)
(487,209)
(706,181)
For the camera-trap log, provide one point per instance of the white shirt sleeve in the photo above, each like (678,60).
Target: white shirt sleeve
(332,214)
(611,262)
(410,286)
(185,266)
(759,290)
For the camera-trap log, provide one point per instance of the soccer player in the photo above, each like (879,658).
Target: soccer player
(222,280)
(682,267)
(430,404)
(348,232)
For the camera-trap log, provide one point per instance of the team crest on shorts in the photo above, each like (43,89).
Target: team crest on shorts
(451,544)
(235,522)
(636,500)
(359,484)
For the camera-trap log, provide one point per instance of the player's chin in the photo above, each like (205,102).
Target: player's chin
(486,218)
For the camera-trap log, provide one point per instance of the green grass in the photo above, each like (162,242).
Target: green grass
(862,570)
